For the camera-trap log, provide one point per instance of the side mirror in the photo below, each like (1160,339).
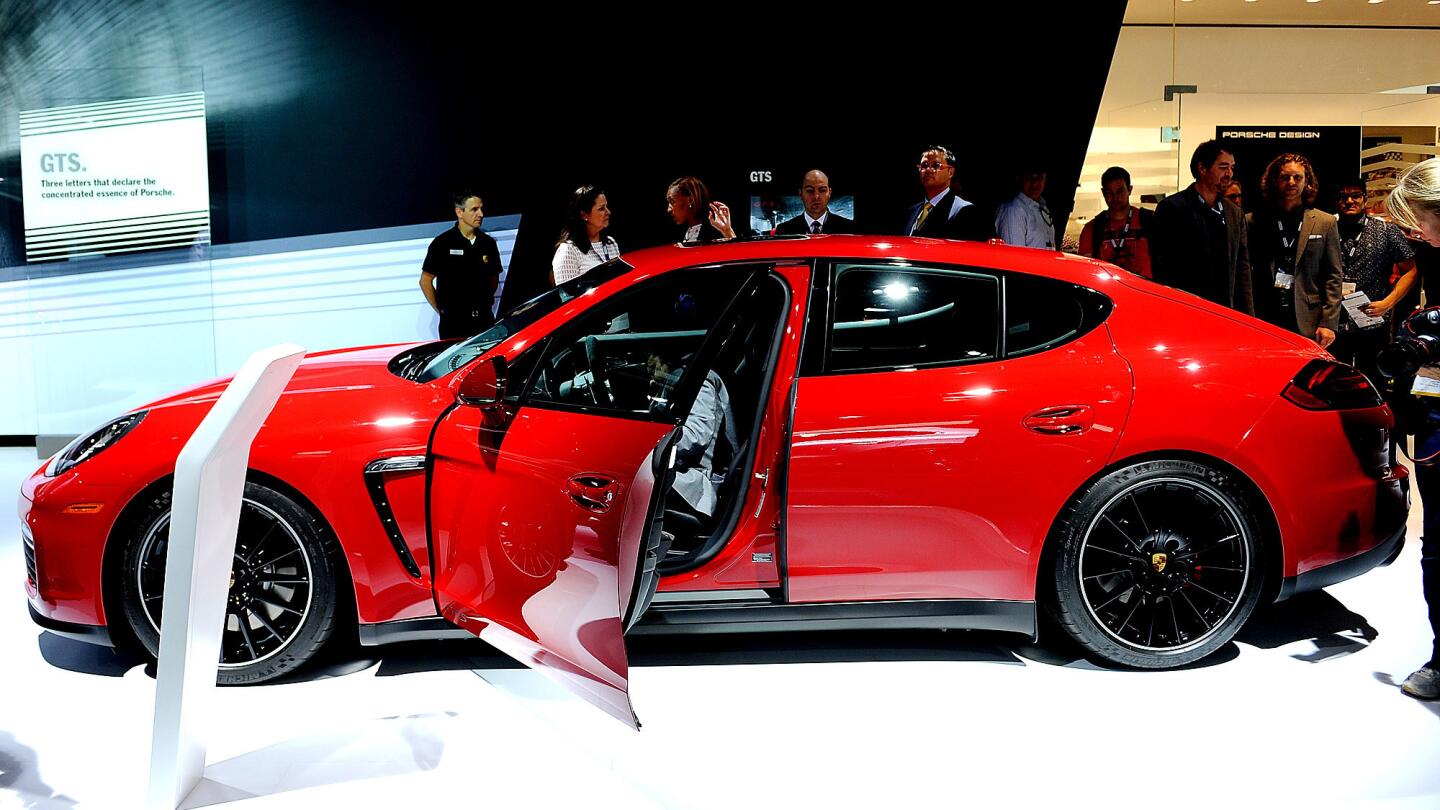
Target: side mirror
(485,384)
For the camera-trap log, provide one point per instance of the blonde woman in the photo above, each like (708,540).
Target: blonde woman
(1414,205)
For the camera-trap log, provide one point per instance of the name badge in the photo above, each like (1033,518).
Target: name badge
(1347,287)
(1283,280)
(1317,236)
(454,252)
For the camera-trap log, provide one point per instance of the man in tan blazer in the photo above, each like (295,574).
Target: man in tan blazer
(1295,253)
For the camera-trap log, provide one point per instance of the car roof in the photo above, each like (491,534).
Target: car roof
(924,250)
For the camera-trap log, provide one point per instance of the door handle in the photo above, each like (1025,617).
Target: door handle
(591,492)
(1060,420)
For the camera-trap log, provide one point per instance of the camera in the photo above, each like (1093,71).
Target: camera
(1417,343)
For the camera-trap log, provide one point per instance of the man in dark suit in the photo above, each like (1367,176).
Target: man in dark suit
(817,218)
(1298,276)
(1198,239)
(943,213)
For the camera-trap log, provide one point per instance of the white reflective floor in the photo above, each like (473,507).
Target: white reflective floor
(1301,712)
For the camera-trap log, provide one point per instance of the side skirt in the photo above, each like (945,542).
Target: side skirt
(1001,616)
(755,615)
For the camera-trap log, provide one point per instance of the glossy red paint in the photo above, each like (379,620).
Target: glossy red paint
(342,410)
(1207,382)
(530,528)
(936,455)
(942,483)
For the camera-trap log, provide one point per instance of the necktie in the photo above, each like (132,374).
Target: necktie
(815,226)
(920,220)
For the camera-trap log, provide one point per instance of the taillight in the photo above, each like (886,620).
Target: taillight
(1325,385)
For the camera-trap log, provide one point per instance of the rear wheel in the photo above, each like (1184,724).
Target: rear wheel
(1158,564)
(282,602)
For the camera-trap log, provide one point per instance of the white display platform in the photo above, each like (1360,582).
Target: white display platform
(1299,717)
(204,518)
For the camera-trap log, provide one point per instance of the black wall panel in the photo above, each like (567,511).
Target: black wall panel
(331,117)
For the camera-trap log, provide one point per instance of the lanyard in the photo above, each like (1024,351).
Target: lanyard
(1124,234)
(1288,244)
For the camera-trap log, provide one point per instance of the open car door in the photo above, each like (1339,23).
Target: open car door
(548,477)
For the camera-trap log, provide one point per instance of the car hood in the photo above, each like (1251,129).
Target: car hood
(320,372)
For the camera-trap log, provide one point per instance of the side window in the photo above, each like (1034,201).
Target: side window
(625,355)
(1042,313)
(898,317)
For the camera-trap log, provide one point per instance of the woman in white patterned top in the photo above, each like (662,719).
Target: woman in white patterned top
(583,244)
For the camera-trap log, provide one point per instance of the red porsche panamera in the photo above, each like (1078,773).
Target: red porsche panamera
(867,433)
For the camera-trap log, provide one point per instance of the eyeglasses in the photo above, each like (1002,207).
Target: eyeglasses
(931,167)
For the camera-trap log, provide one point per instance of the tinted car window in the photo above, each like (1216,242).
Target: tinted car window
(897,317)
(1042,313)
(461,353)
(625,355)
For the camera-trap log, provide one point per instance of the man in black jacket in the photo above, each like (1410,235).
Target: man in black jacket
(1198,241)
(818,218)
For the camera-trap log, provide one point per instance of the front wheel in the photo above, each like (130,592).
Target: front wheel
(282,602)
(1157,564)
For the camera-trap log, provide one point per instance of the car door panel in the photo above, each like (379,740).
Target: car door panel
(525,565)
(928,484)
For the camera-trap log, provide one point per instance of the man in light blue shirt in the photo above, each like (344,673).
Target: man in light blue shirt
(1024,220)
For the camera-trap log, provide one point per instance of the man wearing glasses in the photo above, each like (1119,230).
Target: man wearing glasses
(943,213)
(1024,220)
(1376,259)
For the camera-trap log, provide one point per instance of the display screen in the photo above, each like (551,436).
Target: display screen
(115,177)
(769,210)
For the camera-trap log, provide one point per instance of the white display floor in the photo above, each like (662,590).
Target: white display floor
(1301,712)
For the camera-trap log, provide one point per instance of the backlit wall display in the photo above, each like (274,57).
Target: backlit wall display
(115,177)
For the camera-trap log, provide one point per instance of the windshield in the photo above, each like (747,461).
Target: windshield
(522,316)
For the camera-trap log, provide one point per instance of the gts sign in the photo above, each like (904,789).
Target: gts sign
(60,163)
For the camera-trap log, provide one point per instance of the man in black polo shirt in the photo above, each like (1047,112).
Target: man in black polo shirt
(467,263)
(1198,240)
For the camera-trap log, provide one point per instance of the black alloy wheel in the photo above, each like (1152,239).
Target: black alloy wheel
(1158,564)
(282,595)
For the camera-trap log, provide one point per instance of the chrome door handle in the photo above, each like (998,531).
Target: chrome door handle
(593,493)
(1060,420)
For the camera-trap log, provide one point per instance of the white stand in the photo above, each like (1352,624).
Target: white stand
(204,519)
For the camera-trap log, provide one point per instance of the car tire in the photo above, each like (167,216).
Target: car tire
(1156,565)
(282,603)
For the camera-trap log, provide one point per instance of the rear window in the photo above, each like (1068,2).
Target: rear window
(1042,313)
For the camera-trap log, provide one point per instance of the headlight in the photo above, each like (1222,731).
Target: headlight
(92,443)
